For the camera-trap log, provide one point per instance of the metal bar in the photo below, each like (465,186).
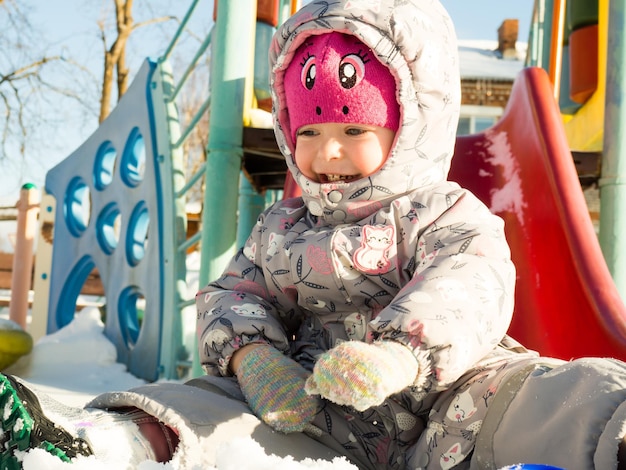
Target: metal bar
(179,31)
(203,47)
(556,45)
(251,204)
(232,53)
(192,124)
(186,303)
(195,238)
(613,176)
(192,180)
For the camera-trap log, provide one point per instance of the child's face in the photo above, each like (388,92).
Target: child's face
(332,152)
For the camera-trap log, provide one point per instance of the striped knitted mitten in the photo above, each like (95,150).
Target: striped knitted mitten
(362,375)
(273,385)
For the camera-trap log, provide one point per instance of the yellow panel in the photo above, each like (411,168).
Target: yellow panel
(585,129)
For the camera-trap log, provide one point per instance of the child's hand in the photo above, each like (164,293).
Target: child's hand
(273,385)
(362,375)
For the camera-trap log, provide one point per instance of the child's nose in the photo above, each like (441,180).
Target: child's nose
(330,150)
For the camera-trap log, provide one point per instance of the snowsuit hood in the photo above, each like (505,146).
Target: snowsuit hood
(416,40)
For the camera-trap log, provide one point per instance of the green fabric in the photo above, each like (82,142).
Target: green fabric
(24,426)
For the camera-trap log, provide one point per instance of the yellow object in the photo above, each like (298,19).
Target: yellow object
(585,129)
(248,91)
(14,343)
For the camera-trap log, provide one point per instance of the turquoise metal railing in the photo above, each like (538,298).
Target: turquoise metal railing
(230,204)
(613,176)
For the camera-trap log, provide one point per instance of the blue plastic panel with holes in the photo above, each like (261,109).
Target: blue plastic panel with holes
(109,216)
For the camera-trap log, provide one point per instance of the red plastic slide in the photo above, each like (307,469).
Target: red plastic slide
(567,304)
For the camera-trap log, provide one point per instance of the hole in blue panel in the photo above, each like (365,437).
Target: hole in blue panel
(131,309)
(137,235)
(104,166)
(66,307)
(77,206)
(108,228)
(134,159)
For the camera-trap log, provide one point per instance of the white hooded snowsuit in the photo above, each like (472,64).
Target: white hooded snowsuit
(402,254)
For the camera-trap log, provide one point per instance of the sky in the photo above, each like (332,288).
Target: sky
(480,19)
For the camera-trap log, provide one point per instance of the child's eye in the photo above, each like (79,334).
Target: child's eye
(306,132)
(355,131)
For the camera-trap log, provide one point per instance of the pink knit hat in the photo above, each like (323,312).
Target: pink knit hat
(334,77)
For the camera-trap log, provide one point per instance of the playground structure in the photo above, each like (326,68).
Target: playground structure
(118,202)
(581,43)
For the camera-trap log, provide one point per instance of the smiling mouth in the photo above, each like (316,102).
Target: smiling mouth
(337,178)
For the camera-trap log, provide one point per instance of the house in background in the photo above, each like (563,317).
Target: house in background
(488,69)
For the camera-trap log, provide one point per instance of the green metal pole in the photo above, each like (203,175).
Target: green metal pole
(251,204)
(613,177)
(263,40)
(232,52)
(232,49)
(540,34)
(284,10)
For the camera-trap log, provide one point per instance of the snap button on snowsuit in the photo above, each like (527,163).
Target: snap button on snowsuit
(335,196)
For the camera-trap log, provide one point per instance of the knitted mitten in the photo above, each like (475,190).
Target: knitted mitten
(273,385)
(362,375)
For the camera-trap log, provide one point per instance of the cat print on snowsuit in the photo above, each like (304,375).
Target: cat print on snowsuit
(372,257)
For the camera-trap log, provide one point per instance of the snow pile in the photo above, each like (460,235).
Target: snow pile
(236,455)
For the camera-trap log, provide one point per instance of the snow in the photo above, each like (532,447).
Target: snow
(480,59)
(510,197)
(78,362)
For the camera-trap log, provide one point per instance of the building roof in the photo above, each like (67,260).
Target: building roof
(479,59)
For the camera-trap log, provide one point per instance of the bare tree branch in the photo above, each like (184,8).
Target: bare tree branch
(44,89)
(115,64)
(27,89)
(151,21)
(27,70)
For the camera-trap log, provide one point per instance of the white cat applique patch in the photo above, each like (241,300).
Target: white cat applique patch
(372,257)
